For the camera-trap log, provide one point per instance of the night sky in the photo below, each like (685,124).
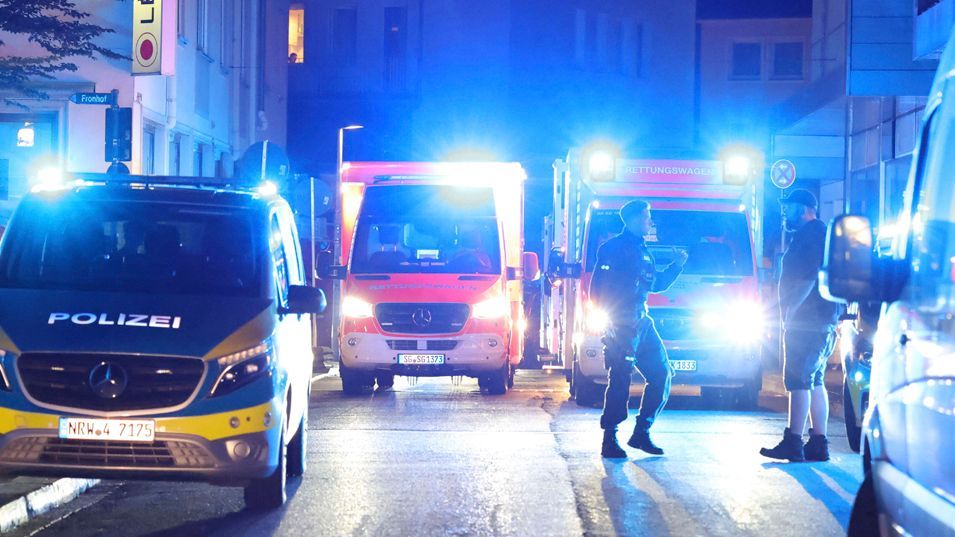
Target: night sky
(742,9)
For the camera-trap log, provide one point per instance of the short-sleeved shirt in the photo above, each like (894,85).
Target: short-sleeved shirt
(800,264)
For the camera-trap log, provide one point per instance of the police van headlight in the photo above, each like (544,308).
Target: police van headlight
(356,308)
(741,322)
(4,379)
(494,308)
(241,368)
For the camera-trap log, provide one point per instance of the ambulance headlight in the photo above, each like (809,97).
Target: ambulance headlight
(740,322)
(356,308)
(241,368)
(494,308)
(597,320)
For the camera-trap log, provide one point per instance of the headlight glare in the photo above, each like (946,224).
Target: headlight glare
(493,308)
(741,322)
(597,320)
(356,308)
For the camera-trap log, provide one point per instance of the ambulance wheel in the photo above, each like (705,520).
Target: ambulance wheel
(298,448)
(510,378)
(496,382)
(386,381)
(853,431)
(353,382)
(587,392)
(269,492)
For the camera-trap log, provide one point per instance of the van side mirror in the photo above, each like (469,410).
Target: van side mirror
(532,268)
(303,299)
(848,270)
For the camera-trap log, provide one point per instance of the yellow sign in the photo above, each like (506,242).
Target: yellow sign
(154,39)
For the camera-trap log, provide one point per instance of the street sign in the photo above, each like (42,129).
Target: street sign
(93,98)
(783,173)
(119,134)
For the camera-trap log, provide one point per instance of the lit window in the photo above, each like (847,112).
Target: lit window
(296,34)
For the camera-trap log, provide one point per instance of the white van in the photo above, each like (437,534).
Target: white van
(909,428)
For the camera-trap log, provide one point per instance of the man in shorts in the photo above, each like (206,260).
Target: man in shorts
(809,332)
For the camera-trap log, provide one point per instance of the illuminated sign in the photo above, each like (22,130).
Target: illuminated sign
(154,37)
(670,171)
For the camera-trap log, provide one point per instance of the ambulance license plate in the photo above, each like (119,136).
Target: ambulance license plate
(421,359)
(683,365)
(100,429)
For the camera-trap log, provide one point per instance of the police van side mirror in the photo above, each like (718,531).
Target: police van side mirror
(326,269)
(848,270)
(303,300)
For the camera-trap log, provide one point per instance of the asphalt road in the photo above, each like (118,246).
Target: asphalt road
(439,458)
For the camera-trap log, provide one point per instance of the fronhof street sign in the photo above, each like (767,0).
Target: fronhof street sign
(783,173)
(92,98)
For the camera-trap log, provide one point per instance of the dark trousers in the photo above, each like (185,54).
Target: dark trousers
(641,342)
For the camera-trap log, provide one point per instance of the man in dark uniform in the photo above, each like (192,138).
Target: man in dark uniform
(625,275)
(809,323)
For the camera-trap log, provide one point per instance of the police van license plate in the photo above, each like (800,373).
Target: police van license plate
(100,429)
(420,359)
(683,365)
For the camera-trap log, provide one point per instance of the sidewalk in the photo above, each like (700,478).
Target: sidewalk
(24,498)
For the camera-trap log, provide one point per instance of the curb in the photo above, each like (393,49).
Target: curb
(41,501)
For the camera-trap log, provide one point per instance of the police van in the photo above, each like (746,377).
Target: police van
(155,328)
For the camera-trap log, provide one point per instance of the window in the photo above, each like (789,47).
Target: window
(345,35)
(296,34)
(279,262)
(181,20)
(149,151)
(396,46)
(175,154)
(747,60)
(787,61)
(225,33)
(202,25)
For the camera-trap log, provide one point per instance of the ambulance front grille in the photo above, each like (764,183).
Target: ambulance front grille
(79,381)
(674,324)
(422,318)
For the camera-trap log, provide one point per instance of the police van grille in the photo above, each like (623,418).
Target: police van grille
(422,318)
(673,324)
(151,381)
(96,453)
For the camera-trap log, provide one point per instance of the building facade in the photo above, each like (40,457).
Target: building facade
(853,130)
(502,79)
(228,90)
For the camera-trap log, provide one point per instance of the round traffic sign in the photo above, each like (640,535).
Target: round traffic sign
(783,173)
(146,50)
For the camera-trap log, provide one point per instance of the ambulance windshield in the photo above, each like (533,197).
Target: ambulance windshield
(133,246)
(717,242)
(427,229)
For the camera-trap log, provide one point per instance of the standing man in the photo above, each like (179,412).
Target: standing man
(625,275)
(809,332)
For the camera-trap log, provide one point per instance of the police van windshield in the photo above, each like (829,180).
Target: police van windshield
(428,229)
(717,242)
(130,246)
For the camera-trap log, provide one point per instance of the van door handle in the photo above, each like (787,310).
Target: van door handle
(904,339)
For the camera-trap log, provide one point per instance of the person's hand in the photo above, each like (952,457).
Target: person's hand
(680,257)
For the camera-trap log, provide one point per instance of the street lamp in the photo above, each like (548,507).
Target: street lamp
(337,286)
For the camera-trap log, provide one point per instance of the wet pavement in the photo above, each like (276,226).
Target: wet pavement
(438,458)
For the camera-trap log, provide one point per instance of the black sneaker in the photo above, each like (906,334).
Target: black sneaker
(790,448)
(610,449)
(641,440)
(817,448)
